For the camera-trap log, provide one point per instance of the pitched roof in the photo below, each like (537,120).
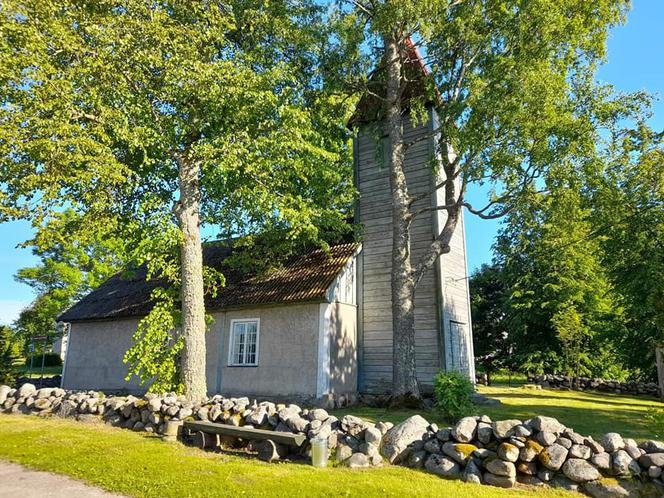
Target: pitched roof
(305,278)
(370,106)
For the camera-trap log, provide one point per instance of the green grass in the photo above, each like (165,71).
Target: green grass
(141,465)
(587,413)
(36,371)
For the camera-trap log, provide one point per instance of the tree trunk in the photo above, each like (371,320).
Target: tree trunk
(192,292)
(404,376)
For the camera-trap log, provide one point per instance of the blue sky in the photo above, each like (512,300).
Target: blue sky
(635,62)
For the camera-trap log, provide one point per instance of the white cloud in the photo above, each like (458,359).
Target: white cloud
(9,310)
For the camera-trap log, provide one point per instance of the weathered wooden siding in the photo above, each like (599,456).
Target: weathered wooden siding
(374,212)
(442,296)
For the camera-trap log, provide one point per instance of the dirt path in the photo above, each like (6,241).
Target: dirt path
(19,481)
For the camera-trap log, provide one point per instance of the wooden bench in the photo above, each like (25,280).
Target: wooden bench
(271,445)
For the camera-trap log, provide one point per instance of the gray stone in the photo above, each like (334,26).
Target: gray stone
(353,425)
(416,459)
(368,449)
(649,459)
(42,404)
(602,461)
(547,424)
(613,441)
(396,440)
(580,451)
(633,451)
(528,468)
(593,445)
(442,466)
(4,393)
(433,446)
(44,392)
(444,435)
(318,414)
(383,427)
(653,446)
(26,390)
(546,438)
(504,429)
(553,456)
(484,432)
(464,430)
(472,473)
(522,431)
(483,453)
(344,452)
(258,416)
(528,480)
(500,467)
(459,452)
(579,470)
(358,461)
(562,482)
(373,435)
(508,452)
(530,451)
(623,465)
(654,472)
(611,488)
(565,442)
(499,481)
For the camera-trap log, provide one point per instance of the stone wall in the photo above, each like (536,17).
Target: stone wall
(585,383)
(535,452)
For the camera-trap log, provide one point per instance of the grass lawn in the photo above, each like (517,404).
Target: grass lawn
(137,464)
(587,413)
(36,371)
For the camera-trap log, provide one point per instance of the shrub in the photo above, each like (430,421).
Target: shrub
(9,356)
(50,360)
(454,395)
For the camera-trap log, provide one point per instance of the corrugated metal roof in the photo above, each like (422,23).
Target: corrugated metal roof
(305,278)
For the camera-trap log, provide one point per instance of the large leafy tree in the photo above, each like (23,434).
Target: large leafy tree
(510,82)
(628,213)
(562,312)
(154,118)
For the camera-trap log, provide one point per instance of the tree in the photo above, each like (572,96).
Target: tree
(628,213)
(491,339)
(509,82)
(73,261)
(9,356)
(154,118)
(562,312)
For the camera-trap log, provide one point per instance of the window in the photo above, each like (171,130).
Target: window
(244,343)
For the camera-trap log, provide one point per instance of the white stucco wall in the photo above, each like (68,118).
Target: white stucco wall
(288,353)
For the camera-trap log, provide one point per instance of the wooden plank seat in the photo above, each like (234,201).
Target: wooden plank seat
(271,445)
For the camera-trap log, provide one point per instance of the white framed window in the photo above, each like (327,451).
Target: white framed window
(243,350)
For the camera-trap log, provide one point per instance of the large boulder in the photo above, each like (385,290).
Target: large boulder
(649,459)
(396,440)
(500,467)
(504,429)
(612,441)
(553,456)
(443,467)
(547,424)
(464,431)
(26,390)
(623,464)
(579,470)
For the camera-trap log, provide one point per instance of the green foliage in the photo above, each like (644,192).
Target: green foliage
(49,359)
(9,356)
(655,417)
(491,340)
(101,104)
(453,392)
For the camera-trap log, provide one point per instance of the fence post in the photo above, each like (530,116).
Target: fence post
(659,355)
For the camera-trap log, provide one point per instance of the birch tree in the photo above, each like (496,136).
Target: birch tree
(157,117)
(510,83)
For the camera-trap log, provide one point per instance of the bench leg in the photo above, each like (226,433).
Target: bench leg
(269,451)
(205,441)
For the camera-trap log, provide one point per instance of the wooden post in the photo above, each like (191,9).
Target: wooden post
(659,355)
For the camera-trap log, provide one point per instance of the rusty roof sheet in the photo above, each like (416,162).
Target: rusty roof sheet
(305,278)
